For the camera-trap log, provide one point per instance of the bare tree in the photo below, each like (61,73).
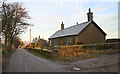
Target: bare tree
(17,42)
(14,21)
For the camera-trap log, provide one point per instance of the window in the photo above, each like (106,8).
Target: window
(50,43)
(68,41)
(56,42)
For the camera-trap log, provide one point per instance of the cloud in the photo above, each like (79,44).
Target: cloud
(45,25)
(67,0)
(47,19)
(113,34)
(25,1)
(109,23)
(79,18)
(108,19)
(47,16)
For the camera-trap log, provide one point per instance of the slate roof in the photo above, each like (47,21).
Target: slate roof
(73,30)
(34,41)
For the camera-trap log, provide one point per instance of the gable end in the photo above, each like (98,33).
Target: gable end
(96,26)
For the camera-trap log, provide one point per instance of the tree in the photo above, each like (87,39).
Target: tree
(17,41)
(14,21)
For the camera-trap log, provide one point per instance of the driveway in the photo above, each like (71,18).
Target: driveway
(102,63)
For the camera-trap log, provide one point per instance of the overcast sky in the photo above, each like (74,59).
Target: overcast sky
(47,15)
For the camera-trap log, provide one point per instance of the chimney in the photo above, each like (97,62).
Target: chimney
(62,26)
(30,35)
(36,38)
(39,37)
(77,23)
(90,15)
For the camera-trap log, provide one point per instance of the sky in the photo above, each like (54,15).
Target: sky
(47,16)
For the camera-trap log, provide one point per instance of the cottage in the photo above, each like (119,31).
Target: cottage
(39,43)
(85,33)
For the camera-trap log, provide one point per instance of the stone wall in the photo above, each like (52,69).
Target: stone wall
(68,51)
(76,50)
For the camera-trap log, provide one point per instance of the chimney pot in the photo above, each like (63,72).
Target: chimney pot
(77,23)
(36,38)
(62,26)
(89,10)
(90,15)
(39,36)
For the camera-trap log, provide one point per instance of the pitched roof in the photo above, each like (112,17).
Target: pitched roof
(34,41)
(73,30)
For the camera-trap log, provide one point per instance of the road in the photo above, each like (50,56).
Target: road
(23,61)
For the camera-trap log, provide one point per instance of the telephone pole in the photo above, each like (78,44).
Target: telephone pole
(30,35)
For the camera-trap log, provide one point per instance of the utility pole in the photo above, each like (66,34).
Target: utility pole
(30,35)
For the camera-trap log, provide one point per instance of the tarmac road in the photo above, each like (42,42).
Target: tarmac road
(23,61)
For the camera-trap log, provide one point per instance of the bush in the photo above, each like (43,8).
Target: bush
(76,43)
(104,47)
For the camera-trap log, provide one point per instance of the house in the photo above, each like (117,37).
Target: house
(85,33)
(39,43)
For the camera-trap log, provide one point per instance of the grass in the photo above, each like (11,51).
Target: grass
(75,58)
(38,54)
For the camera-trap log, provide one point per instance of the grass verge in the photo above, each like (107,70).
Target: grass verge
(74,58)
(38,54)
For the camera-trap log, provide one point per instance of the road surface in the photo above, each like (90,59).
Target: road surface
(23,61)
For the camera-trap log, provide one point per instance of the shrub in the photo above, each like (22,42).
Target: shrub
(76,43)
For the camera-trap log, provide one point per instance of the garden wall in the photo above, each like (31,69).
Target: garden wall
(76,50)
